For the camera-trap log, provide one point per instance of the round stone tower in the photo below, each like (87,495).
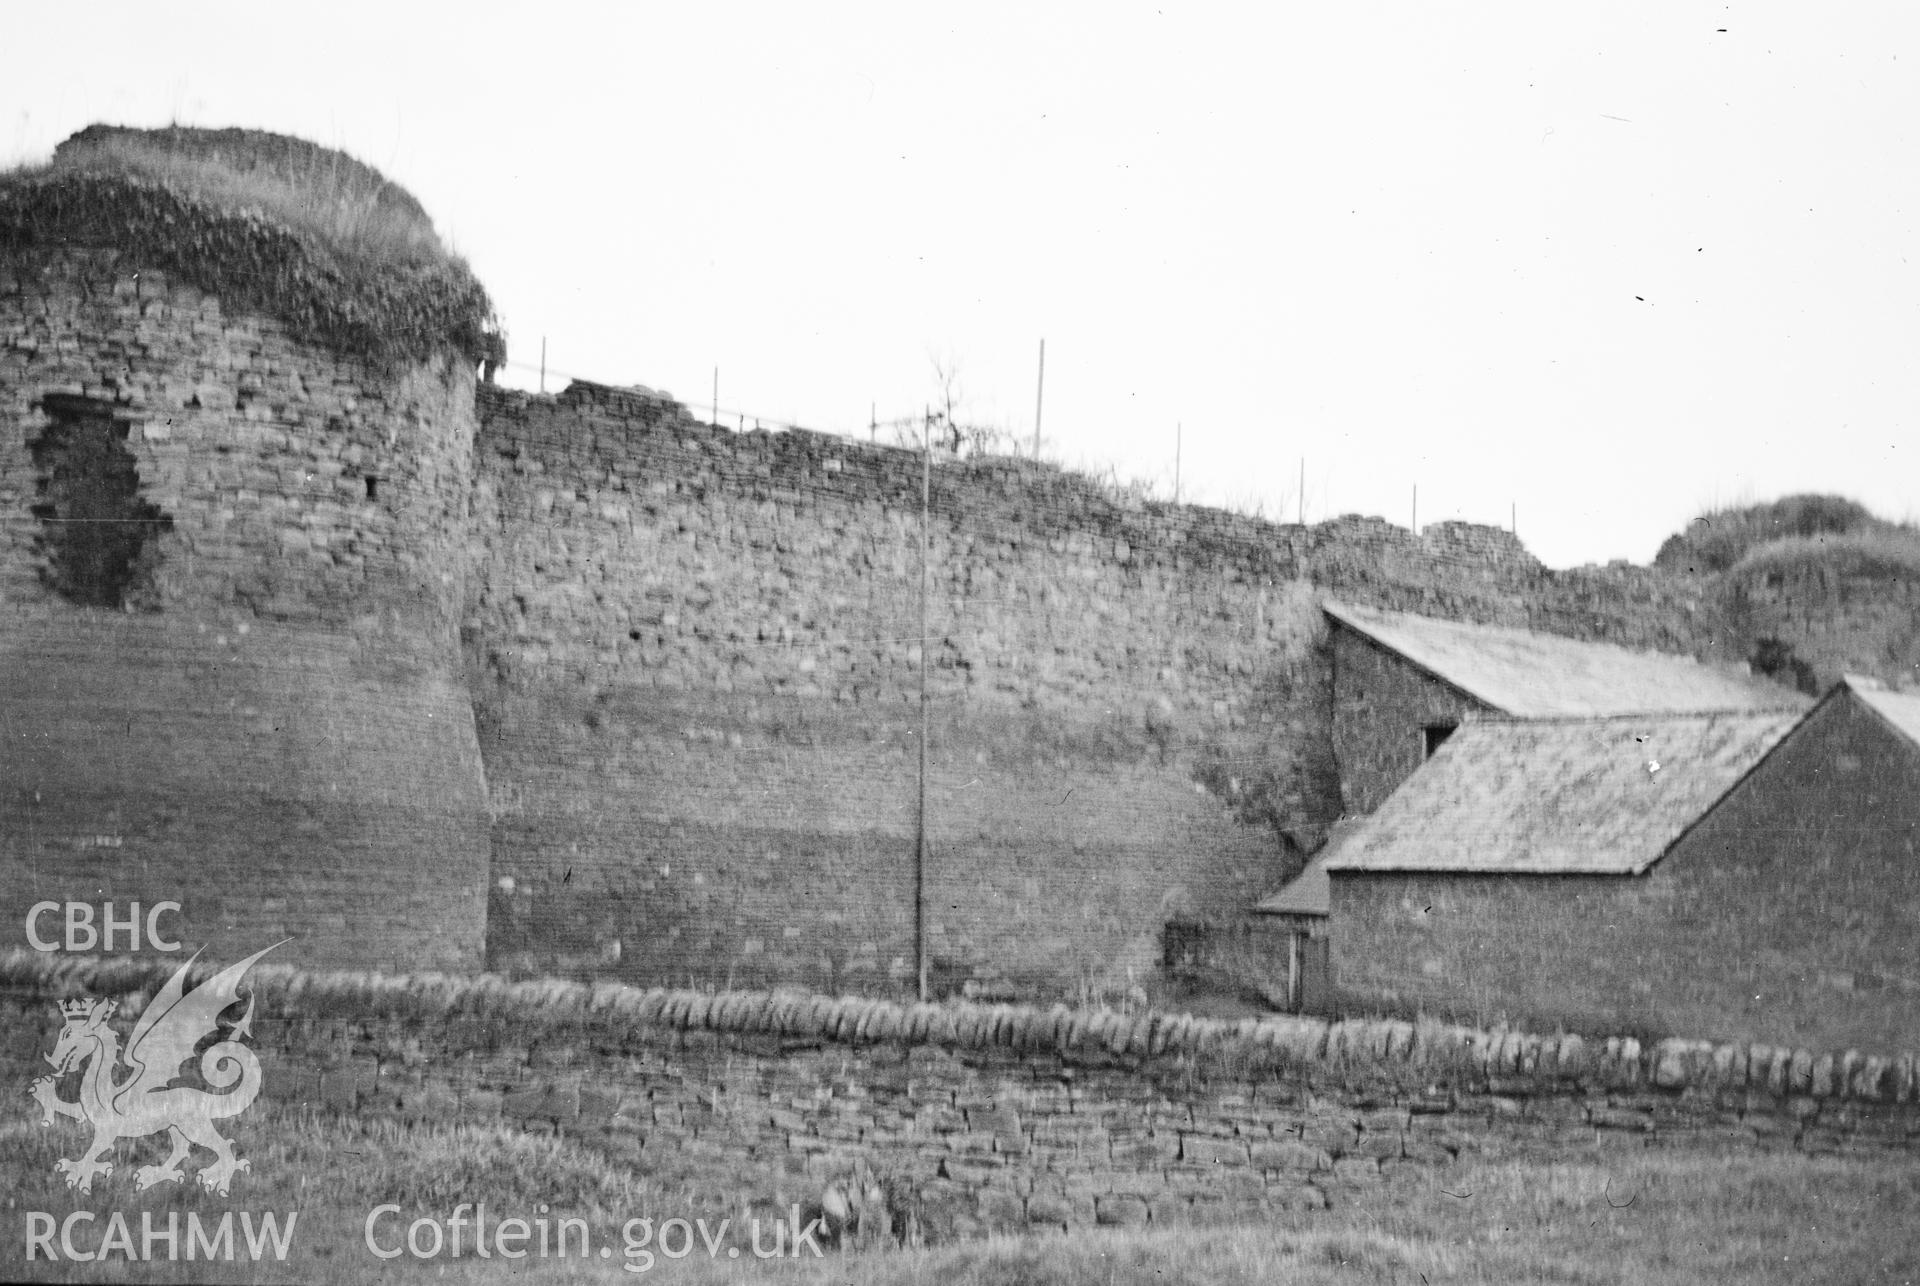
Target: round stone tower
(236,426)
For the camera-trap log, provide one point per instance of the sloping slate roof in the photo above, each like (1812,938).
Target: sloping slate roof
(1901,709)
(1560,796)
(1308,893)
(1533,676)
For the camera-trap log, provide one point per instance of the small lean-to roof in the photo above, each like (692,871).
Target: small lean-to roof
(1308,893)
(1536,676)
(1900,709)
(1560,796)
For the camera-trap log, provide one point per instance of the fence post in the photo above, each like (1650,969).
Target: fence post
(1039,398)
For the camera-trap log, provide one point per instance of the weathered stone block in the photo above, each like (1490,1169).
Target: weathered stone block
(1290,1154)
(1799,1072)
(1000,1210)
(1331,1136)
(1225,1181)
(1197,1149)
(1616,1118)
(1151,1150)
(1378,1145)
(1295,1196)
(972,1171)
(1356,1170)
(1425,1152)
(1058,1210)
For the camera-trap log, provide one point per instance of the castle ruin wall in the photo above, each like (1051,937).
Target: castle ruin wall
(696,653)
(259,712)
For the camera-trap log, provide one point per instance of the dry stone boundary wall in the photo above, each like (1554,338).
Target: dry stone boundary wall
(982,1118)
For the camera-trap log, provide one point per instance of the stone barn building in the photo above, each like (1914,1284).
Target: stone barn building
(1403,683)
(1721,874)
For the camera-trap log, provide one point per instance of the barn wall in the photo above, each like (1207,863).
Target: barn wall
(1819,848)
(1380,704)
(1789,913)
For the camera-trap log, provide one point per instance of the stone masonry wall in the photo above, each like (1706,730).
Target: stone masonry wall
(1788,910)
(997,1118)
(274,729)
(696,663)
(697,669)
(1836,622)
(260,449)
(1379,704)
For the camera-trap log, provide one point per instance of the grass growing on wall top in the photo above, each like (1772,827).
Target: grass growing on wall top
(1878,553)
(304,234)
(1722,539)
(352,206)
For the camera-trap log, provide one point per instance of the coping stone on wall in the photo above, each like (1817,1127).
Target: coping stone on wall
(1102,1037)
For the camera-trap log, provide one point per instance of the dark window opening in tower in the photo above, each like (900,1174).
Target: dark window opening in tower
(95,525)
(1434,735)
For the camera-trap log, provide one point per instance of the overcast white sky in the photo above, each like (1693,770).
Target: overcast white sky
(1606,264)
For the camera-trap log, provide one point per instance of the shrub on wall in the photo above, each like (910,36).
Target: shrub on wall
(1718,539)
(359,274)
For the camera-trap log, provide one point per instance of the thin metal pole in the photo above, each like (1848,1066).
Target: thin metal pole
(1176,462)
(543,363)
(1039,398)
(920,830)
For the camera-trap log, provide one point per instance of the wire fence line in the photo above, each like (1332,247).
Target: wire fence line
(719,416)
(949,438)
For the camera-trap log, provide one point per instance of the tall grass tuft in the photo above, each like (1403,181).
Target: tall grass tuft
(352,207)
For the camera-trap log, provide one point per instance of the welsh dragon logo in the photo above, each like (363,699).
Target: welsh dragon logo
(143,1102)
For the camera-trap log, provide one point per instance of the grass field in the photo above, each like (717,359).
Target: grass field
(1612,1215)
(1642,1217)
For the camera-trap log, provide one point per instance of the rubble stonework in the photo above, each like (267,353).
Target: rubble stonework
(274,731)
(641,690)
(986,1118)
(696,667)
